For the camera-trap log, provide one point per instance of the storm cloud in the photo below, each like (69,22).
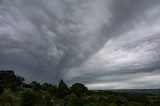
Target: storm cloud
(102,43)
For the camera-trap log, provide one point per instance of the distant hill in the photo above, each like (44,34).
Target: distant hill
(147,91)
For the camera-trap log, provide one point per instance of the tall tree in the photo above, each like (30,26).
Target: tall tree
(8,78)
(62,90)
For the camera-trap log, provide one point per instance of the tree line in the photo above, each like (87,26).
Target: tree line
(15,92)
(15,83)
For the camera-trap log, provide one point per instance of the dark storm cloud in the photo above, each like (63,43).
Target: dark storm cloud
(52,39)
(48,37)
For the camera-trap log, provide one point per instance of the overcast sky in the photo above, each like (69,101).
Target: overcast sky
(105,44)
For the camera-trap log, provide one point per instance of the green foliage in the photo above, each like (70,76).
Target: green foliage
(79,89)
(135,104)
(8,79)
(1,89)
(14,87)
(62,90)
(50,88)
(30,98)
(35,86)
(48,100)
(19,80)
(73,100)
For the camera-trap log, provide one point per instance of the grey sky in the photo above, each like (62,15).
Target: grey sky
(104,44)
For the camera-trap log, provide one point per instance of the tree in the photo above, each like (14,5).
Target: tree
(19,80)
(14,86)
(73,100)
(8,78)
(79,89)
(30,99)
(27,85)
(62,90)
(1,89)
(35,85)
(45,86)
(50,88)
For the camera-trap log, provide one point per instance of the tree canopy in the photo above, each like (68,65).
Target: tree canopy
(63,89)
(79,89)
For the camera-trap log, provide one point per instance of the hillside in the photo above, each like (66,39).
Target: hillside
(14,92)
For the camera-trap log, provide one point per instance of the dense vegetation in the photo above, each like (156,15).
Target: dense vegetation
(14,92)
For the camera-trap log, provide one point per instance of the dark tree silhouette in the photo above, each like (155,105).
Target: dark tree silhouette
(1,89)
(35,85)
(9,79)
(62,90)
(52,89)
(30,99)
(78,89)
(19,80)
